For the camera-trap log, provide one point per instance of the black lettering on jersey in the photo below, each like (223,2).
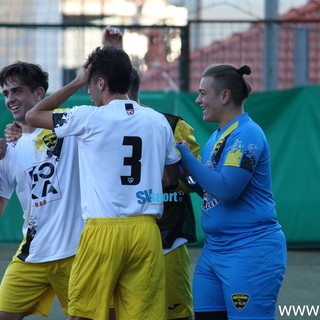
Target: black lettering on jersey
(46,170)
(42,174)
(48,188)
(133,161)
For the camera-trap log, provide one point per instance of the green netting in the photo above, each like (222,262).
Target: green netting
(290,119)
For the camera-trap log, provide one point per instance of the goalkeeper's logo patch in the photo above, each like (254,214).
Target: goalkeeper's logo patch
(240,300)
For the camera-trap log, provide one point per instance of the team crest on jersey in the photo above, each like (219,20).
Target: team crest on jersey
(50,140)
(129,109)
(240,300)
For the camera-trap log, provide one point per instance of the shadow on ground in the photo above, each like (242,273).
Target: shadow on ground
(300,287)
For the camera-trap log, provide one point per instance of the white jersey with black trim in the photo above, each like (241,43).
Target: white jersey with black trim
(44,171)
(123,148)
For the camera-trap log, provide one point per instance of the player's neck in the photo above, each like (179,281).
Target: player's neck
(26,128)
(115,96)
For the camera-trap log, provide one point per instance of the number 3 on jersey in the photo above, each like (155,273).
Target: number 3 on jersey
(133,161)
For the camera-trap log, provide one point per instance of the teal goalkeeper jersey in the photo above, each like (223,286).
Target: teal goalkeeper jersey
(238,204)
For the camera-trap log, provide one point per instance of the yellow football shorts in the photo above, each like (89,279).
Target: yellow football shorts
(179,302)
(30,288)
(120,258)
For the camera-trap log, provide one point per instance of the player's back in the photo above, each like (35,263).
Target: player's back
(123,151)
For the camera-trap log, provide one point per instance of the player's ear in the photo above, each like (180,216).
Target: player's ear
(40,93)
(102,83)
(225,96)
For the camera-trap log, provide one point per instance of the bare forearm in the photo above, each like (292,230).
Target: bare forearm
(56,99)
(40,115)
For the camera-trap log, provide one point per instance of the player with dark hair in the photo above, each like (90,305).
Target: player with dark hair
(243,260)
(44,172)
(123,150)
(177,226)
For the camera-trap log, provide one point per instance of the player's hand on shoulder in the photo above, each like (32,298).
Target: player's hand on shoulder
(12,132)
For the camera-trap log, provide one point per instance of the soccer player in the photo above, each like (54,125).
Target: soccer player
(177,226)
(243,260)
(43,170)
(123,150)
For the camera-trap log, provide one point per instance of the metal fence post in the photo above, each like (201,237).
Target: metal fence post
(270,45)
(301,56)
(184,59)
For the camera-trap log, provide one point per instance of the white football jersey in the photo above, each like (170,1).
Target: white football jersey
(44,171)
(123,148)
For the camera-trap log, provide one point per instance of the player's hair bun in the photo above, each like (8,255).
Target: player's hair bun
(244,70)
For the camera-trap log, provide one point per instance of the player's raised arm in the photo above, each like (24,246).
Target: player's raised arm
(40,115)
(112,37)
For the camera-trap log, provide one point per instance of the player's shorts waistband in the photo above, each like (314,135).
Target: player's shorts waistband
(124,220)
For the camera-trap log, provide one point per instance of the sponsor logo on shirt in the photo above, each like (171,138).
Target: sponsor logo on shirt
(129,109)
(144,196)
(45,187)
